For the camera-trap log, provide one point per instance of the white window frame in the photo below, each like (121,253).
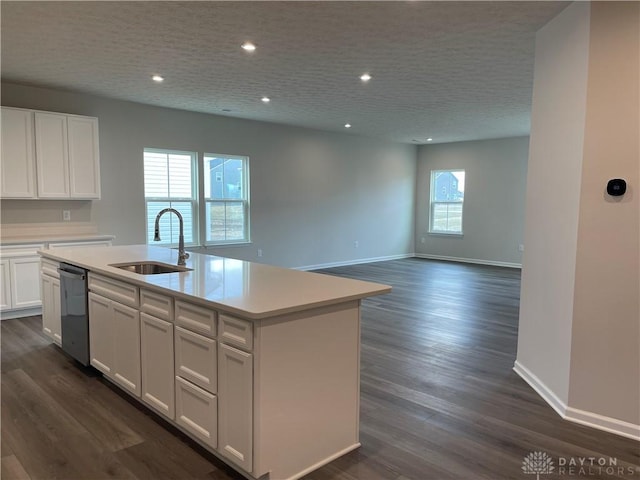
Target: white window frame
(433,203)
(199,202)
(245,202)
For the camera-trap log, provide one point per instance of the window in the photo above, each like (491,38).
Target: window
(225,198)
(447,199)
(171,180)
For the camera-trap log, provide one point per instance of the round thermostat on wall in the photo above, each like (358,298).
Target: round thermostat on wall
(616,187)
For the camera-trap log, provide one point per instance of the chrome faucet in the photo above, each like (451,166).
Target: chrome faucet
(182,255)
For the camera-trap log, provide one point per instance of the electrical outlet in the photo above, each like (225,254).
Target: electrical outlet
(66,215)
(356,244)
(521,248)
(422,240)
(259,252)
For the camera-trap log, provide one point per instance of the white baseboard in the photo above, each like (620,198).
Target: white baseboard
(545,392)
(468,260)
(589,419)
(608,424)
(26,312)
(354,262)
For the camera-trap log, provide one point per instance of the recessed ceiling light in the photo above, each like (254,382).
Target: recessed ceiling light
(429,139)
(248,47)
(157,78)
(265,99)
(365,77)
(347,125)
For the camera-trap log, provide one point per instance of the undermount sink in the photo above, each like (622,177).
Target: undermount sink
(149,268)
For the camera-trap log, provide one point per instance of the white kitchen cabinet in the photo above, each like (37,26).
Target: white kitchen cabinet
(20,280)
(235,405)
(5,288)
(84,157)
(52,155)
(51,312)
(126,359)
(156,357)
(25,289)
(197,411)
(49,155)
(114,341)
(18,167)
(101,333)
(196,359)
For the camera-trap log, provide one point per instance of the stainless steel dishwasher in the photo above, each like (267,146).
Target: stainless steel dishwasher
(74,312)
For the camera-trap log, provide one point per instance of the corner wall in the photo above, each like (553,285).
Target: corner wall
(605,348)
(579,338)
(553,200)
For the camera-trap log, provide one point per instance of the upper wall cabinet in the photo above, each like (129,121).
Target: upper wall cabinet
(67,162)
(18,166)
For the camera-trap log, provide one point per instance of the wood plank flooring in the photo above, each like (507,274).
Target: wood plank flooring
(439,399)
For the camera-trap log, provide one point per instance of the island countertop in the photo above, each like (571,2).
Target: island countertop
(252,290)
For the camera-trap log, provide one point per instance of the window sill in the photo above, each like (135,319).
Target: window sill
(225,245)
(446,234)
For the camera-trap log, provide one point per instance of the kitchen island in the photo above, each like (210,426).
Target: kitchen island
(258,364)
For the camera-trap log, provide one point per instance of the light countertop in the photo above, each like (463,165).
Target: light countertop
(59,238)
(251,290)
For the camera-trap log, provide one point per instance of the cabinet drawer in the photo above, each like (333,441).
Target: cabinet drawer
(156,304)
(236,331)
(49,267)
(196,359)
(114,289)
(198,319)
(197,412)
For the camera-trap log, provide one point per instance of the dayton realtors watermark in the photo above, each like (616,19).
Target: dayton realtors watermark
(541,463)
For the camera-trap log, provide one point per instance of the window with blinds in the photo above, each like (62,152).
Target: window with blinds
(218,215)
(170,181)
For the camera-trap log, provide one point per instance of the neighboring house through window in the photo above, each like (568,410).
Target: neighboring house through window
(446,201)
(217,215)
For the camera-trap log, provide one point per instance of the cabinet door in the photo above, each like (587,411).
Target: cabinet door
(126,360)
(5,288)
(101,333)
(196,359)
(84,158)
(18,166)
(52,156)
(51,321)
(235,402)
(197,412)
(56,320)
(156,352)
(47,305)
(25,284)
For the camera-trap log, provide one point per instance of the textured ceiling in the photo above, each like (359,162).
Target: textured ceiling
(448,70)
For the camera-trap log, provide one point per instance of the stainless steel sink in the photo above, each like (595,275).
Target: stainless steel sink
(150,268)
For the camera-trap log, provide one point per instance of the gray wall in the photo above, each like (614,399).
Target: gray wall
(579,315)
(313,193)
(493,217)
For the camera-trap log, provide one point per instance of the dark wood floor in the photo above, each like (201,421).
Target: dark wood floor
(439,397)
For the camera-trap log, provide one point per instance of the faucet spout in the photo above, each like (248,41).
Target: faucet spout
(182,255)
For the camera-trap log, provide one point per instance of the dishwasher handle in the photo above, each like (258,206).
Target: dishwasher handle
(73,275)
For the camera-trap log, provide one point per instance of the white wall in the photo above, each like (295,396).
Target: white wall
(605,351)
(495,181)
(579,337)
(313,193)
(553,197)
